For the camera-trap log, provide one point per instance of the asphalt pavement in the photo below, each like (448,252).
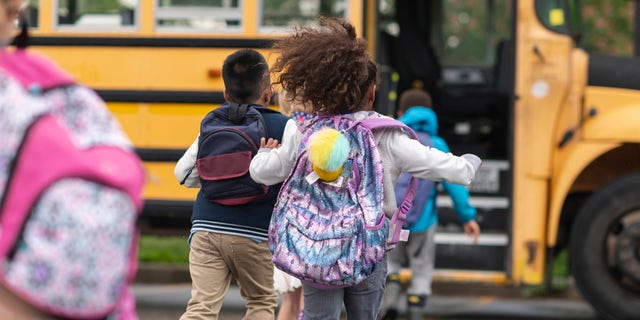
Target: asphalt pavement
(168,301)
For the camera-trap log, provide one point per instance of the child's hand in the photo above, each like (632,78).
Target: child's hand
(270,144)
(474,160)
(472,229)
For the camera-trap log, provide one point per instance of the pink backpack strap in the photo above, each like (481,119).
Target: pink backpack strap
(33,71)
(398,218)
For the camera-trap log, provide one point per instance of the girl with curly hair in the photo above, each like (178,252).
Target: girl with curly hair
(330,70)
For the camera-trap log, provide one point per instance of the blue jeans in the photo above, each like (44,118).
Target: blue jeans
(362,301)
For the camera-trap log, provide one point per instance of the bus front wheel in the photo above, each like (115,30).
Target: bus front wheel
(605,249)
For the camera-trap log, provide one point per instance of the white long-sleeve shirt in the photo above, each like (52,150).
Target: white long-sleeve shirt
(398,152)
(185,169)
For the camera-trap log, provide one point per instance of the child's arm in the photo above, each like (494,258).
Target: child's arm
(463,209)
(429,163)
(185,170)
(272,165)
(460,197)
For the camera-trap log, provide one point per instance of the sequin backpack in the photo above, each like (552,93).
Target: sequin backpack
(70,194)
(331,234)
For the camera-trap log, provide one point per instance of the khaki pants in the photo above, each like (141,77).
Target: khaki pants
(214,259)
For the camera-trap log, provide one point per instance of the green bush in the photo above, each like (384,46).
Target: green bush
(560,278)
(163,249)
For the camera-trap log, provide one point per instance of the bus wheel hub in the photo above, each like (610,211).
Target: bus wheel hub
(628,251)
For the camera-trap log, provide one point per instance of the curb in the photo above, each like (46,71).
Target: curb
(162,273)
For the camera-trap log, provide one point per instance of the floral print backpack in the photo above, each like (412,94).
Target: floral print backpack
(70,194)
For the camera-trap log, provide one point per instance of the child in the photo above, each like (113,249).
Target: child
(330,69)
(228,241)
(419,251)
(54,206)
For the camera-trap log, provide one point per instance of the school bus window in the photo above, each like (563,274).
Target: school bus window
(96,14)
(553,14)
(471,31)
(387,18)
(465,33)
(289,13)
(199,15)
(31,13)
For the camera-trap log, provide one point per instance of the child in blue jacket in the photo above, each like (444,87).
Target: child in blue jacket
(419,251)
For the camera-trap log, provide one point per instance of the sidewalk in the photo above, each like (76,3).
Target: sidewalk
(150,273)
(168,301)
(162,293)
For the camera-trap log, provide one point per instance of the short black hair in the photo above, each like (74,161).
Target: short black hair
(245,74)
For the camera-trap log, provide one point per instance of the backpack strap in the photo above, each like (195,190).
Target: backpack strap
(33,71)
(397,220)
(237,112)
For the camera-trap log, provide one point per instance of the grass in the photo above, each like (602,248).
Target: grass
(561,265)
(163,249)
(560,278)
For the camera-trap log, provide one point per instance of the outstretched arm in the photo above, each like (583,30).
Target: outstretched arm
(274,162)
(460,197)
(429,163)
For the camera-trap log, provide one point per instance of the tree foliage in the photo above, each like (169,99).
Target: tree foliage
(608,26)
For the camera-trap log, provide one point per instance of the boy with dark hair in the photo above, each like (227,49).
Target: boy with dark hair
(245,74)
(229,241)
(418,252)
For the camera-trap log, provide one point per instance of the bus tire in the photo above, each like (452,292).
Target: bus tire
(606,224)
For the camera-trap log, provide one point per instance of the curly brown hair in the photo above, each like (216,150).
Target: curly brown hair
(328,68)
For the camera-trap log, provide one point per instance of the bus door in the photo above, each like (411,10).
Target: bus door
(462,53)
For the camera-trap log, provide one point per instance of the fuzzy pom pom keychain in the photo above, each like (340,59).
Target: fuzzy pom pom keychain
(328,150)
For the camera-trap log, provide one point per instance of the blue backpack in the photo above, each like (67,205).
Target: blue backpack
(425,187)
(333,234)
(229,138)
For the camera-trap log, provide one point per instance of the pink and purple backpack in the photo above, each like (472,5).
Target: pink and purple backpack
(70,194)
(333,234)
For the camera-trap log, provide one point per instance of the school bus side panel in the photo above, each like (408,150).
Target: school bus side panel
(571,163)
(569,158)
(617,114)
(168,68)
(542,86)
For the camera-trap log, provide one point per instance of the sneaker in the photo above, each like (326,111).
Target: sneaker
(416,307)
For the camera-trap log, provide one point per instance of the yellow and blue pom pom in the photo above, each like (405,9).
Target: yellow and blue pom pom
(328,150)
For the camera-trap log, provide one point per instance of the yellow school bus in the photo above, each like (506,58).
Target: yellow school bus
(555,124)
